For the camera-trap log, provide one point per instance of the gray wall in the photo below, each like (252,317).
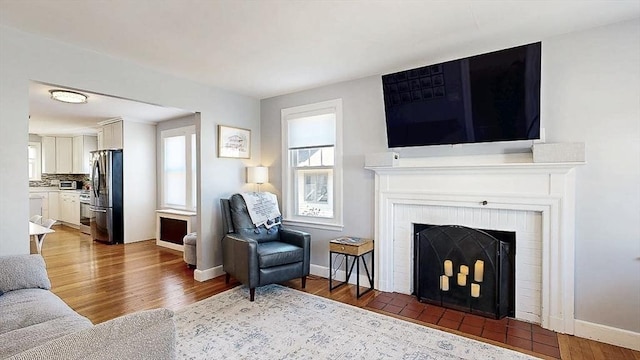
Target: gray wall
(25,57)
(363,132)
(590,92)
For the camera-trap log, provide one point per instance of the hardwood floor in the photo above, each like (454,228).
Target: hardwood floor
(102,282)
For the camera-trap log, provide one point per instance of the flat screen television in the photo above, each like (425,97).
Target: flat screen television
(484,98)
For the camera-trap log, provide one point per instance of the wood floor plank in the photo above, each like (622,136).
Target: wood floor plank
(103,282)
(565,347)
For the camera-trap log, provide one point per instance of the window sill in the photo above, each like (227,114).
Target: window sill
(313,225)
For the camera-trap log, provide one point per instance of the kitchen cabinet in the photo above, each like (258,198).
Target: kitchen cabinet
(54,205)
(70,208)
(100,139)
(57,155)
(112,135)
(82,147)
(48,155)
(45,205)
(64,155)
(35,204)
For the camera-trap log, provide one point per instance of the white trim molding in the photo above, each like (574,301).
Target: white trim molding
(208,274)
(288,185)
(608,334)
(502,192)
(340,275)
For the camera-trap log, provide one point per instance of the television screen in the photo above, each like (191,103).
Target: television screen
(483,98)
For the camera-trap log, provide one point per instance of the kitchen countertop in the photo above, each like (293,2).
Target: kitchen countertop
(53,189)
(43,189)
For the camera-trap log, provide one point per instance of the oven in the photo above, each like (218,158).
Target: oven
(85,213)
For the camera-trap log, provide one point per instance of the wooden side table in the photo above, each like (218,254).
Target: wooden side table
(357,248)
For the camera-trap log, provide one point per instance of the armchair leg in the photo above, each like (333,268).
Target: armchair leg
(304,282)
(252,294)
(227,277)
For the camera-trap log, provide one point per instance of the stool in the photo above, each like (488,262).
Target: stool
(189,249)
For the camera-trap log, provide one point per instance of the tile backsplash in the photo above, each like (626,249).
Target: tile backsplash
(46,179)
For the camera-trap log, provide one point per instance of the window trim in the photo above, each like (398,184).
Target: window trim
(38,160)
(288,198)
(186,131)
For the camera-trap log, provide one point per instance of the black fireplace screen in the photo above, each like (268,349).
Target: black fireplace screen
(466,269)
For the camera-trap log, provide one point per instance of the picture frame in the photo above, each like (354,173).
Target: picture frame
(234,142)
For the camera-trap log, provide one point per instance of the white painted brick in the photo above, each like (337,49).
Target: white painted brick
(527,225)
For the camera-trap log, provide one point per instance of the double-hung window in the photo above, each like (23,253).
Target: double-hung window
(312,165)
(35,161)
(179,168)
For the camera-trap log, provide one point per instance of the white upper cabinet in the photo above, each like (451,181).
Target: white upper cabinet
(48,155)
(64,155)
(83,145)
(67,155)
(112,136)
(100,139)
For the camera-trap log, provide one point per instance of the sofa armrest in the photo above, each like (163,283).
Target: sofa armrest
(142,335)
(240,259)
(19,272)
(300,239)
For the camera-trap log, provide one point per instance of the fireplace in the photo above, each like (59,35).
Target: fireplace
(466,269)
(504,192)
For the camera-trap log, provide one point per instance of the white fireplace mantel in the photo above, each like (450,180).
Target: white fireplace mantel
(476,187)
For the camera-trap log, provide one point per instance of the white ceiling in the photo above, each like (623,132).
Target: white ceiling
(272,47)
(51,117)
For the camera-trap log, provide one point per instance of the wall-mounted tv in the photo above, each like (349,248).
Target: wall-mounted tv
(483,98)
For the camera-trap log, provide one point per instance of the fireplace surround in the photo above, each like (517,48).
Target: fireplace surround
(498,192)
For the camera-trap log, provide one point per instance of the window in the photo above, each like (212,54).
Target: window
(312,170)
(35,161)
(179,168)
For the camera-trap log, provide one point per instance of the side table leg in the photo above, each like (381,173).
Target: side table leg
(358,277)
(330,271)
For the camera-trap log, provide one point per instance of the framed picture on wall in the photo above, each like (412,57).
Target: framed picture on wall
(234,142)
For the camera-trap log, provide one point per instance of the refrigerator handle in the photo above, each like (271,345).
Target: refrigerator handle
(96,177)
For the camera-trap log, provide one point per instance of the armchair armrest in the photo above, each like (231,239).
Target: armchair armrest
(300,239)
(240,259)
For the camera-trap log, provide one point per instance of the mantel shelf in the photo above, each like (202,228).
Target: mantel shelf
(457,166)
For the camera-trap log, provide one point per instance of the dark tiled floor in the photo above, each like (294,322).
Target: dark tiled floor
(513,332)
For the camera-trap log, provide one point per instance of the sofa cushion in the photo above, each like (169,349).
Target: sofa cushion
(23,272)
(33,316)
(23,308)
(276,253)
(142,335)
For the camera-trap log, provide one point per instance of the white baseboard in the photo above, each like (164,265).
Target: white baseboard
(170,245)
(207,274)
(323,271)
(607,334)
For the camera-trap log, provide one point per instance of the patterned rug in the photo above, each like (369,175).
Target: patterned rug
(284,323)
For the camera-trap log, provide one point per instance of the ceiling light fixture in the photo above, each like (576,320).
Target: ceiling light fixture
(68,96)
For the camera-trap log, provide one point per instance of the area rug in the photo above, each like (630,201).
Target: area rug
(284,323)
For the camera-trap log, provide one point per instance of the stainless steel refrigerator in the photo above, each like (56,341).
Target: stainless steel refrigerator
(107,222)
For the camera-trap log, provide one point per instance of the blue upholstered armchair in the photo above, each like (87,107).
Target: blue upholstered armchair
(258,256)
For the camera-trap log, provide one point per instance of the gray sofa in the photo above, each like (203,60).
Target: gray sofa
(36,324)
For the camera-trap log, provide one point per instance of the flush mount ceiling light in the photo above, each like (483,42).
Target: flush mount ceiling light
(68,96)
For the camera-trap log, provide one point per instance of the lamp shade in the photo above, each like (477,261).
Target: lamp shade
(258,174)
